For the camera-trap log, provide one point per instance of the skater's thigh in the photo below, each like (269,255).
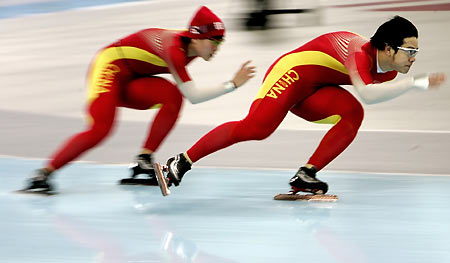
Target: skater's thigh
(148,92)
(328,105)
(266,113)
(101,109)
(105,81)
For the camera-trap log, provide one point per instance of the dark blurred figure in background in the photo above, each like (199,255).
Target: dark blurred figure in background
(263,10)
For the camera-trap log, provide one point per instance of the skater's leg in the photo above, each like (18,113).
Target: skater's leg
(105,78)
(263,119)
(101,118)
(101,113)
(332,105)
(154,92)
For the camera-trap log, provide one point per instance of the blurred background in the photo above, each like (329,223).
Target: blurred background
(47,45)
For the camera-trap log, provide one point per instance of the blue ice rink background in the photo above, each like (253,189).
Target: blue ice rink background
(222,215)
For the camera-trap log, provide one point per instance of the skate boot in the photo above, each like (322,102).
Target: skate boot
(305,180)
(143,164)
(39,184)
(176,167)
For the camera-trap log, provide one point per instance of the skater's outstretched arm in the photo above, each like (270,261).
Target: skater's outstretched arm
(200,94)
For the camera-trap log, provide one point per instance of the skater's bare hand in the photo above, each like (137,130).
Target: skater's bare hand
(244,74)
(436,80)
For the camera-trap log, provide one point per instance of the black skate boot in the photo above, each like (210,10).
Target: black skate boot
(305,180)
(176,167)
(39,184)
(143,164)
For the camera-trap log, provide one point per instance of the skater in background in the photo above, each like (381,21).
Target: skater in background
(262,10)
(124,74)
(306,82)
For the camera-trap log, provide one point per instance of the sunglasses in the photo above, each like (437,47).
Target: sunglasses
(411,52)
(215,42)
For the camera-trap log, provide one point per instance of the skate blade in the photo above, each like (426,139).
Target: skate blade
(38,192)
(306,197)
(296,190)
(162,182)
(139,181)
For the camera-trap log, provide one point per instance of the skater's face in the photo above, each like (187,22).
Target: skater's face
(405,56)
(206,48)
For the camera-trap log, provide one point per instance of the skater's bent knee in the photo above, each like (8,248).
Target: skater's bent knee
(253,131)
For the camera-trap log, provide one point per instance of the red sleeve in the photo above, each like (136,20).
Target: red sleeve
(362,64)
(177,64)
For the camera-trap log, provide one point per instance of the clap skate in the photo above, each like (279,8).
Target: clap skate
(143,165)
(161,177)
(39,184)
(305,181)
(172,173)
(294,195)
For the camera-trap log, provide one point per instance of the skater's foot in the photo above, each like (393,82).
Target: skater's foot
(143,164)
(305,181)
(177,166)
(39,183)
